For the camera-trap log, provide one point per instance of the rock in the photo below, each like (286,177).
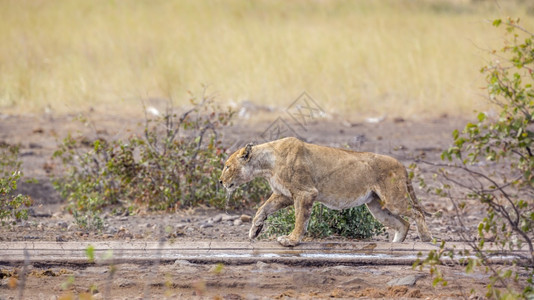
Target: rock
(237,222)
(4,282)
(62,224)
(184,266)
(229,217)
(217,218)
(206,225)
(123,232)
(375,120)
(262,266)
(232,297)
(41,226)
(112,230)
(354,283)
(61,238)
(350,124)
(182,262)
(409,280)
(123,283)
(180,226)
(246,218)
(338,271)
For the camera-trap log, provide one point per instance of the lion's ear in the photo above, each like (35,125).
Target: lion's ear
(247,152)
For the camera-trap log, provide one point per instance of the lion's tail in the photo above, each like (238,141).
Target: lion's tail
(415,201)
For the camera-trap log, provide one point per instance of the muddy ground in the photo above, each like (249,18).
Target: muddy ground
(38,136)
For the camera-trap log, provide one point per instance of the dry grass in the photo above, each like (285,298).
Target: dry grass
(409,58)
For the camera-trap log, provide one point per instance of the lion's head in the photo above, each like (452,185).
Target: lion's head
(236,170)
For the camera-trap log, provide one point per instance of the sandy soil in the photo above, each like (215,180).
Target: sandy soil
(38,136)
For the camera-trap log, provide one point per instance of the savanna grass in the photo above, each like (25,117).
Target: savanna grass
(409,58)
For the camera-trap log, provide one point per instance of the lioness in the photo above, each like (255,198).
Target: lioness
(300,174)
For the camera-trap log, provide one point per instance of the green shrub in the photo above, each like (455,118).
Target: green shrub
(11,206)
(174,164)
(356,223)
(496,154)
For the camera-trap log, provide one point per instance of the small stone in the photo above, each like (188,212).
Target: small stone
(354,283)
(180,226)
(62,224)
(206,225)
(229,217)
(182,262)
(217,218)
(112,230)
(262,266)
(338,270)
(35,146)
(238,222)
(126,283)
(404,281)
(41,226)
(246,218)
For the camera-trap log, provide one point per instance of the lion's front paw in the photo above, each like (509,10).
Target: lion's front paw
(286,241)
(255,230)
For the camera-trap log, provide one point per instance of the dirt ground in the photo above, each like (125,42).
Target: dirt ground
(39,135)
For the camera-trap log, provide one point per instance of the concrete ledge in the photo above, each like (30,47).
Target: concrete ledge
(313,253)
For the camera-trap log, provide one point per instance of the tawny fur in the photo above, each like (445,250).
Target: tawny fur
(300,173)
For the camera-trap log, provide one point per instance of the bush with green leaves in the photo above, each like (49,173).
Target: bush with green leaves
(12,206)
(174,164)
(495,159)
(356,223)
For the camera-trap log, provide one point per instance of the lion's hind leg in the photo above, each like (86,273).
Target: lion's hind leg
(422,229)
(415,212)
(388,219)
